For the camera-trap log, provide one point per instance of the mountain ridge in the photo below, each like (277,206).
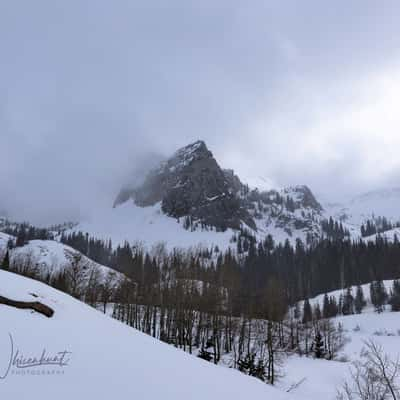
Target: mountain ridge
(192,185)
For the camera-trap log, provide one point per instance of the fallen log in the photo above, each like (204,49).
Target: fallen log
(32,305)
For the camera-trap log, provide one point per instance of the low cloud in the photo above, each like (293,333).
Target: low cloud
(93,92)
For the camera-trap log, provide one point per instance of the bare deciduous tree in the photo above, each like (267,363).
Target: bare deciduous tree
(375,377)
(107,289)
(76,273)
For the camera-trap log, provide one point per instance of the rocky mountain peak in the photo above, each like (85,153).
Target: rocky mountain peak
(192,185)
(184,157)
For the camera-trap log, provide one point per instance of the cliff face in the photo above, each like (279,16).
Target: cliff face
(191,185)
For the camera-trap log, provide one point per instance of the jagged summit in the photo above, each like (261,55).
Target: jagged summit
(184,157)
(190,153)
(192,187)
(191,184)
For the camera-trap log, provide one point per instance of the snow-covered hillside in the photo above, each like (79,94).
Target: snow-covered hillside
(49,257)
(321,378)
(105,359)
(149,226)
(366,291)
(389,235)
(378,203)
(5,239)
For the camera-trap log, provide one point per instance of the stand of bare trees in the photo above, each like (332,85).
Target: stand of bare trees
(215,311)
(220,323)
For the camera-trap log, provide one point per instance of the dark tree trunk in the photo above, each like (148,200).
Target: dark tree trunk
(33,305)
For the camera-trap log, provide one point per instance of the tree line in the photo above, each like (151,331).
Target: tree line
(219,304)
(377,225)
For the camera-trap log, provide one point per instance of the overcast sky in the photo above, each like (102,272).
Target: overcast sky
(284,92)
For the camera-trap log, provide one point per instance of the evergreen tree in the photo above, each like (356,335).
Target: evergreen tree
(249,367)
(21,237)
(259,371)
(317,314)
(359,301)
(307,312)
(395,296)
(296,310)
(348,302)
(248,364)
(10,244)
(204,354)
(333,307)
(340,304)
(378,295)
(326,309)
(6,262)
(318,345)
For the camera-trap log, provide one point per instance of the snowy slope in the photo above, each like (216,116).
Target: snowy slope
(378,203)
(51,257)
(321,378)
(150,226)
(389,235)
(105,359)
(365,288)
(108,358)
(4,239)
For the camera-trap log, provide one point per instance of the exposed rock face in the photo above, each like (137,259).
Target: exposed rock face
(192,184)
(303,197)
(293,210)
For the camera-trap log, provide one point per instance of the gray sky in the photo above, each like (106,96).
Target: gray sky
(293,92)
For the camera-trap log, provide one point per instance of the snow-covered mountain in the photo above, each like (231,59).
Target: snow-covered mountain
(189,200)
(82,353)
(192,185)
